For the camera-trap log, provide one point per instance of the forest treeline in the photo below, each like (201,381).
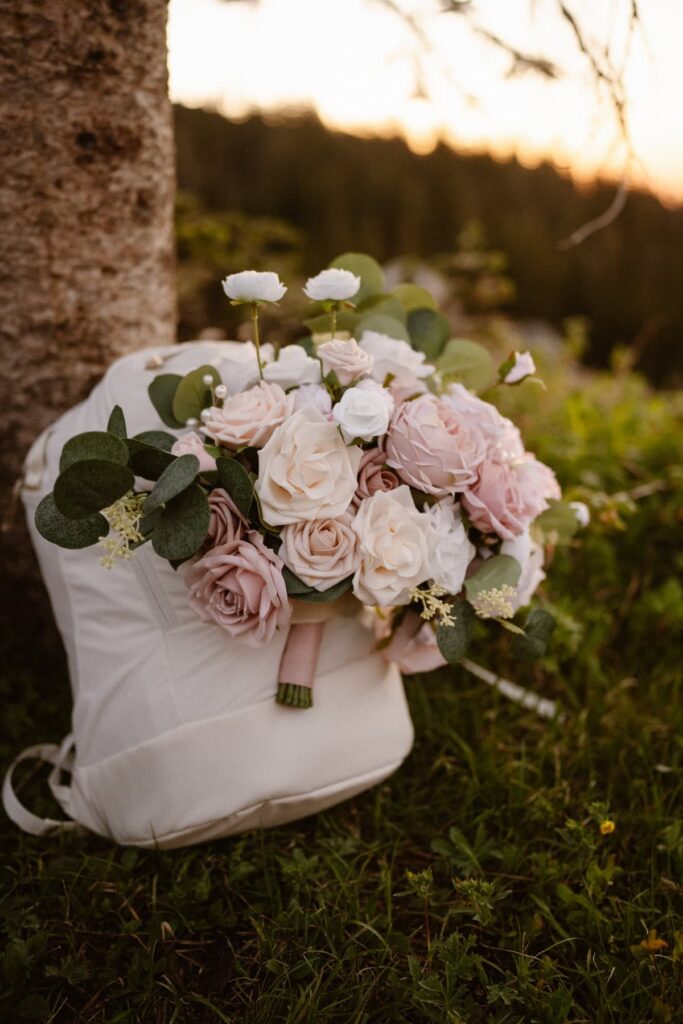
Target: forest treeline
(375,195)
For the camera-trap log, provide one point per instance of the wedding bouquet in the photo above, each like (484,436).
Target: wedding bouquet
(358,464)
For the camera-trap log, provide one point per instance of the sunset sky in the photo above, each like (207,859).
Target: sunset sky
(363,69)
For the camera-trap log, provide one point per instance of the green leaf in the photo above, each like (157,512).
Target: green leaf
(157,439)
(146,460)
(558,523)
(467,363)
(117,422)
(91,485)
(68,533)
(499,571)
(383,325)
(382,305)
(182,526)
(413,296)
(162,392)
(302,592)
(233,477)
(95,444)
(428,331)
(295,586)
(192,394)
(454,640)
(369,271)
(175,478)
(538,629)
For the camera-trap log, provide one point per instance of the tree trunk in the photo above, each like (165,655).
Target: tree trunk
(86,204)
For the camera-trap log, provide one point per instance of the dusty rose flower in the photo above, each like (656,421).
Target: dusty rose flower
(306,471)
(322,552)
(434,448)
(498,431)
(509,494)
(394,548)
(240,587)
(227,523)
(249,418)
(192,444)
(413,647)
(374,475)
(346,358)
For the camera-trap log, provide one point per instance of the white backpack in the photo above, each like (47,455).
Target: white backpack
(176,734)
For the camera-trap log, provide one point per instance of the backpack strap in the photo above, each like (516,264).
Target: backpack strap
(62,759)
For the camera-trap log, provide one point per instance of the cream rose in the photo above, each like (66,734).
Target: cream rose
(394,543)
(238,365)
(451,551)
(293,367)
(346,358)
(321,552)
(395,358)
(306,471)
(249,419)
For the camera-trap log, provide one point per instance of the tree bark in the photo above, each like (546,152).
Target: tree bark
(86,204)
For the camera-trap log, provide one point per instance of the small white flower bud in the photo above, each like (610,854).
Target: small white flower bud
(207,379)
(192,422)
(221,391)
(205,415)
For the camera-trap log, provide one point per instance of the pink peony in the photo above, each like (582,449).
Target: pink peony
(321,552)
(249,418)
(227,523)
(498,431)
(374,475)
(433,447)
(192,444)
(413,647)
(240,587)
(509,494)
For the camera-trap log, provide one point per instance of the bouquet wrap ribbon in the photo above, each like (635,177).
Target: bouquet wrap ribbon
(299,661)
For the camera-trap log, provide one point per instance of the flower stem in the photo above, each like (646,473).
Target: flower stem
(254,321)
(334,319)
(293,695)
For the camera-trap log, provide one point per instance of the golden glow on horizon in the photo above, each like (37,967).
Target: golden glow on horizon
(354,62)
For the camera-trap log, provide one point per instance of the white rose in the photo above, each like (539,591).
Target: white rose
(363,411)
(314,395)
(346,358)
(238,365)
(529,554)
(254,286)
(523,366)
(394,357)
(451,551)
(306,471)
(332,284)
(394,543)
(292,367)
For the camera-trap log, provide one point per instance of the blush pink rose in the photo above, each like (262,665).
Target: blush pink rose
(240,587)
(192,444)
(433,447)
(510,494)
(249,418)
(321,552)
(345,356)
(227,523)
(413,647)
(374,475)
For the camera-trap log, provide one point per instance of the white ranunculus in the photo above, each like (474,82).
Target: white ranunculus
(582,512)
(314,395)
(451,551)
(529,554)
(394,543)
(238,365)
(293,367)
(364,411)
(254,286)
(523,367)
(334,284)
(306,471)
(395,358)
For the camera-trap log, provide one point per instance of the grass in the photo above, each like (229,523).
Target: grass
(473,886)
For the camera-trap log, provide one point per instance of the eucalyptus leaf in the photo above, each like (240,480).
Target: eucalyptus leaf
(175,478)
(454,640)
(538,629)
(383,325)
(322,323)
(365,267)
(295,586)
(182,525)
(91,485)
(414,296)
(157,439)
(233,477)
(192,394)
(496,572)
(331,594)
(117,422)
(468,363)
(558,523)
(68,533)
(147,460)
(162,392)
(383,305)
(94,444)
(428,331)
